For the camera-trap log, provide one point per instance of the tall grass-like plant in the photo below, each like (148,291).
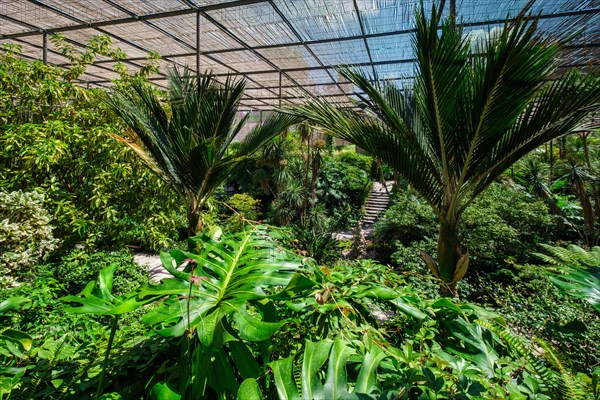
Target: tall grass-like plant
(188,142)
(473,109)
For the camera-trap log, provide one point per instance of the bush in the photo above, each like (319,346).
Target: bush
(78,268)
(524,295)
(501,223)
(343,190)
(357,160)
(241,207)
(55,139)
(25,232)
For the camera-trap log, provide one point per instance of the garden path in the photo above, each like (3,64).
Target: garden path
(377,203)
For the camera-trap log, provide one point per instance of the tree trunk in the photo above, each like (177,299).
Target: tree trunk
(194,221)
(449,254)
(578,187)
(586,154)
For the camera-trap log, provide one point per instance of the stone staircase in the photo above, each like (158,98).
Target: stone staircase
(377,203)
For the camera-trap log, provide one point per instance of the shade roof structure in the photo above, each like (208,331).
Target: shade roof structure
(285,49)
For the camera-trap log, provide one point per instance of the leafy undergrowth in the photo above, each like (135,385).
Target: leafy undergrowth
(244,318)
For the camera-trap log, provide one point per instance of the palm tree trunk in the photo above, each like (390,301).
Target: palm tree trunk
(449,254)
(194,220)
(586,154)
(578,187)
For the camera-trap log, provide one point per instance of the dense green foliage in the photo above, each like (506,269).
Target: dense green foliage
(502,223)
(95,190)
(358,322)
(253,311)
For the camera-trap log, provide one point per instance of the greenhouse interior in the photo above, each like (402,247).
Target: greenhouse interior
(300,199)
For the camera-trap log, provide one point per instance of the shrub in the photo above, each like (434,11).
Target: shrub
(503,222)
(78,268)
(357,160)
(242,207)
(343,189)
(55,140)
(25,232)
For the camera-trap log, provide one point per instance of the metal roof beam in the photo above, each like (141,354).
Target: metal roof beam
(245,2)
(321,41)
(128,42)
(299,38)
(164,32)
(165,14)
(242,43)
(364,37)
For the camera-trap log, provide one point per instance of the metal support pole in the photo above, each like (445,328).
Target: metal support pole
(45,47)
(280,73)
(198,42)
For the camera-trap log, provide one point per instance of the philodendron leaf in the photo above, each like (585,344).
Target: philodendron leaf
(283,374)
(336,383)
(336,354)
(407,308)
(12,302)
(249,390)
(23,340)
(581,284)
(315,355)
(367,377)
(163,391)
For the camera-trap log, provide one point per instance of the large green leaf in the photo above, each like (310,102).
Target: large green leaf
(11,303)
(219,282)
(12,341)
(336,386)
(249,390)
(577,271)
(97,297)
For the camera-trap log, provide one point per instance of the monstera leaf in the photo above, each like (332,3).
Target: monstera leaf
(219,281)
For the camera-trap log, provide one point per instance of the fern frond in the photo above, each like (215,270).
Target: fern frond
(571,387)
(519,347)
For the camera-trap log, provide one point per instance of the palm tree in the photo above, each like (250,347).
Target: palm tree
(578,177)
(188,142)
(473,109)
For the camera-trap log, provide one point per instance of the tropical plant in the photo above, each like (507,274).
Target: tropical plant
(578,176)
(336,383)
(13,343)
(189,144)
(473,110)
(97,298)
(577,271)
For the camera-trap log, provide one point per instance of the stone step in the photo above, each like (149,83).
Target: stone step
(378,201)
(377,205)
